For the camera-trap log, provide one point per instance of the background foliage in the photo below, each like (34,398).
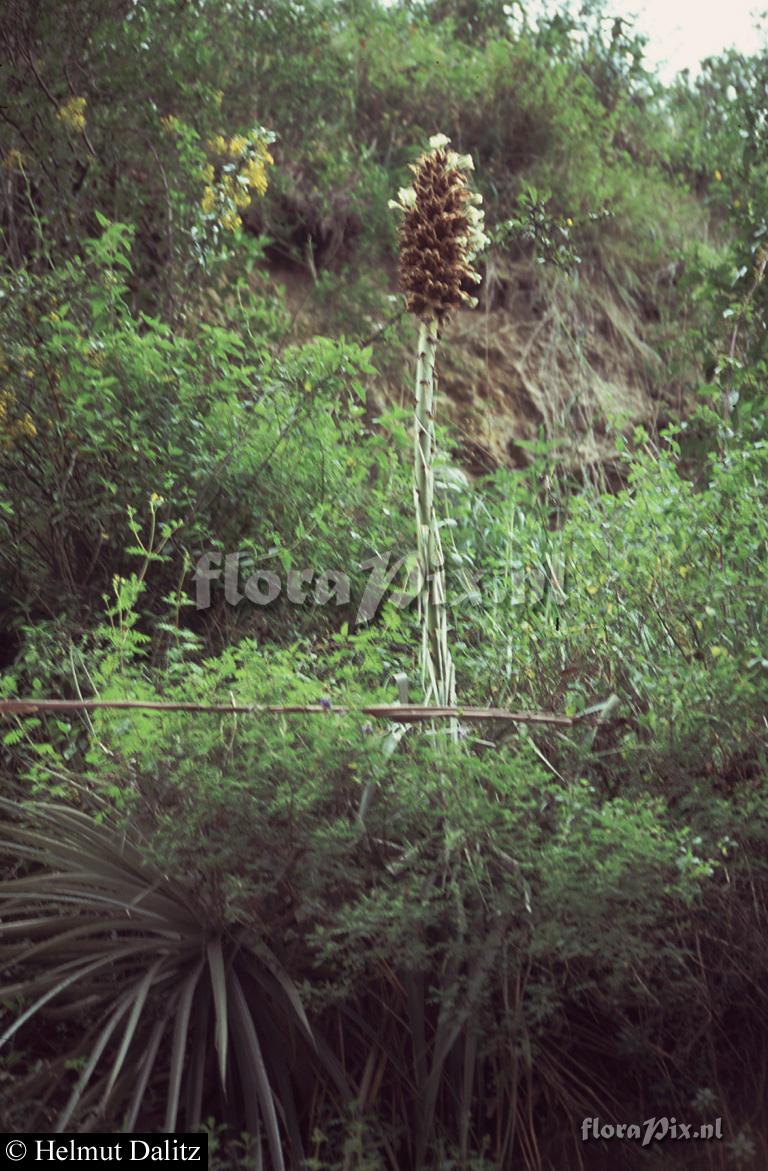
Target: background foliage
(382,954)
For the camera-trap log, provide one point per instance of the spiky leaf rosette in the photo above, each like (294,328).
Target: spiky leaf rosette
(440,234)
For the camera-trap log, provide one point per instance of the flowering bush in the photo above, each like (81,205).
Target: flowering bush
(239,172)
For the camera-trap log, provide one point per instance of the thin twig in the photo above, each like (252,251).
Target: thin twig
(404,713)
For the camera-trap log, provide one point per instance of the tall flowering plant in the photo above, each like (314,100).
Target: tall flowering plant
(440,235)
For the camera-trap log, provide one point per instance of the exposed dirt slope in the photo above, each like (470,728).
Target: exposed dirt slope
(545,356)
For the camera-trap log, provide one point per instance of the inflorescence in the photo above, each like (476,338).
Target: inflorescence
(440,234)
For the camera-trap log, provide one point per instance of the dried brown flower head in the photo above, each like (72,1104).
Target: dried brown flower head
(440,234)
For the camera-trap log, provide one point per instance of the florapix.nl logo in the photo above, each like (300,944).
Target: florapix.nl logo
(397,579)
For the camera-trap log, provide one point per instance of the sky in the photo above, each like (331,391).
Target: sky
(682,32)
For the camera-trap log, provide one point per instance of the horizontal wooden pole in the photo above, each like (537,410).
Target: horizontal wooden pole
(407,713)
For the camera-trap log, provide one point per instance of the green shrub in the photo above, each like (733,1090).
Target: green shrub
(655,593)
(122,440)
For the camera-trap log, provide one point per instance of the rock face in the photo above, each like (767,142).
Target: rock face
(545,359)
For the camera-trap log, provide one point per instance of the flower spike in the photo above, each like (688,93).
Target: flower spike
(440,234)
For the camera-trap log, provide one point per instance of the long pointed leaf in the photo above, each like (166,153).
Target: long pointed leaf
(180,1031)
(91,1064)
(30,1012)
(139,1000)
(252,1062)
(198,1058)
(219,985)
(147,1066)
(274,969)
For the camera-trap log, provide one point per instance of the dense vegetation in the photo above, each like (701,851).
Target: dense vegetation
(335,945)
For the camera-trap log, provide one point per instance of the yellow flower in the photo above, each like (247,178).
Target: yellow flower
(14,160)
(237,146)
(230,220)
(242,199)
(569,222)
(719,176)
(25,427)
(230,194)
(14,429)
(255,175)
(72,114)
(259,149)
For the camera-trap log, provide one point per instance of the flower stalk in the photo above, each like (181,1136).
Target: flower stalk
(440,235)
(437,672)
